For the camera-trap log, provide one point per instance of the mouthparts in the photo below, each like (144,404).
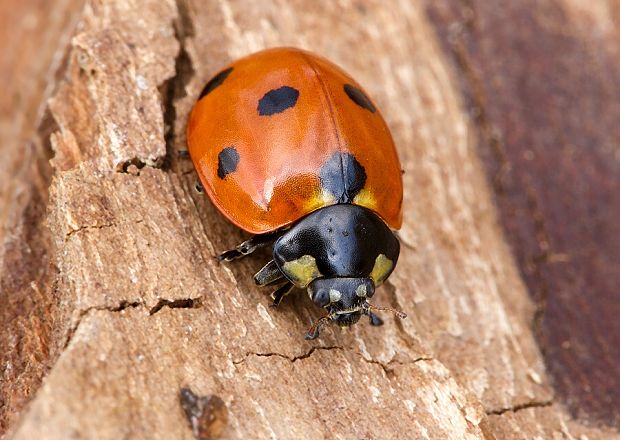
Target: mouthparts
(365,309)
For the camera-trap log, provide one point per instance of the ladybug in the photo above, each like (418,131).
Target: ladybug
(290,148)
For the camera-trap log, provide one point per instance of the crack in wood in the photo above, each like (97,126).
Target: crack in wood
(123,167)
(185,303)
(171,90)
(174,89)
(182,303)
(291,359)
(87,227)
(386,367)
(520,406)
(389,372)
(101,226)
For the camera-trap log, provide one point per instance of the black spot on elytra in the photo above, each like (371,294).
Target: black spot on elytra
(227,162)
(214,82)
(277,100)
(359,97)
(343,176)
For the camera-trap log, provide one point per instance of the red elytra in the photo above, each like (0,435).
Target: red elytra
(283,132)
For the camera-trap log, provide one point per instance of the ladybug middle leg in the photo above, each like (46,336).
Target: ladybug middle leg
(247,247)
(281,292)
(270,274)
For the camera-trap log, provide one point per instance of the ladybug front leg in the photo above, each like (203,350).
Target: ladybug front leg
(247,247)
(280,293)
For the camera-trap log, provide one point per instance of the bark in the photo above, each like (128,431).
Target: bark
(549,65)
(115,297)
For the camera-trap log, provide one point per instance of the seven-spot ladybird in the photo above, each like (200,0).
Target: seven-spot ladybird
(290,148)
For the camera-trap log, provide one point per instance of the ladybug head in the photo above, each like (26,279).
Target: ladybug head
(340,253)
(346,300)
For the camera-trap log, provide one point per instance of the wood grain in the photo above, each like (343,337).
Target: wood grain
(33,36)
(541,82)
(141,309)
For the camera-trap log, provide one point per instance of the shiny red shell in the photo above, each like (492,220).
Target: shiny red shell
(266,131)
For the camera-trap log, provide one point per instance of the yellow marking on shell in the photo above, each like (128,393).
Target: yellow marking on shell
(302,271)
(365,198)
(320,199)
(381,269)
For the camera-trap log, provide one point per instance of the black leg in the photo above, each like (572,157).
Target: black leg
(270,273)
(374,319)
(247,247)
(312,334)
(281,293)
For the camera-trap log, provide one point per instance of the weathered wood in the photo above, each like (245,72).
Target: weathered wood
(33,36)
(541,81)
(142,309)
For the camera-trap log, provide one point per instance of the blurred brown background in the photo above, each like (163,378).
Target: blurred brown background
(542,81)
(540,84)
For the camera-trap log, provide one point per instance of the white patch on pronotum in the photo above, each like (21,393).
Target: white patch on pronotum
(334,295)
(361,290)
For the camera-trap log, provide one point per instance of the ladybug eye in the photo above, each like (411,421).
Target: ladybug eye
(320,297)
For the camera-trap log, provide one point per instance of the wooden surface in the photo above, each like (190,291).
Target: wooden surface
(127,305)
(541,80)
(34,35)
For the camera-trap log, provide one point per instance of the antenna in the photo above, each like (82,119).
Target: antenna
(401,315)
(313,332)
